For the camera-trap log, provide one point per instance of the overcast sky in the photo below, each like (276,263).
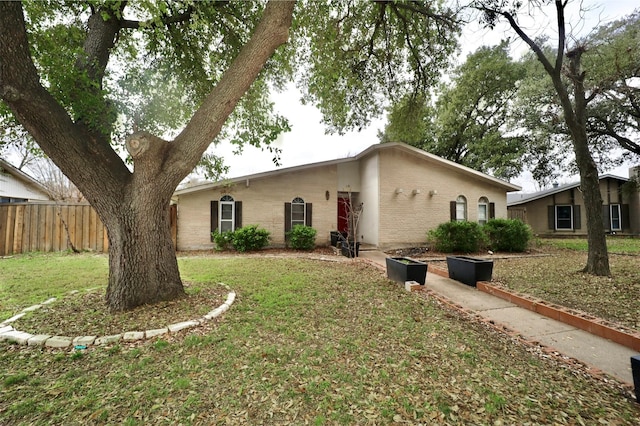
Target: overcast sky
(308,143)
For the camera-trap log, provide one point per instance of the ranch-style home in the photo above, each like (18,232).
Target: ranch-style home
(560,211)
(402,191)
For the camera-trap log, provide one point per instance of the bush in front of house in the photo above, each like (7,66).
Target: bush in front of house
(510,235)
(462,237)
(302,237)
(249,238)
(222,240)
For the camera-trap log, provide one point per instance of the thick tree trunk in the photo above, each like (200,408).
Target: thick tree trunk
(142,260)
(598,257)
(133,205)
(576,119)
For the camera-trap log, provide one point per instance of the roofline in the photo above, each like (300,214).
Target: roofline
(210,185)
(22,175)
(447,163)
(546,192)
(373,148)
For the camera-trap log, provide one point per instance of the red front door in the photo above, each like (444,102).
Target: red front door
(343,215)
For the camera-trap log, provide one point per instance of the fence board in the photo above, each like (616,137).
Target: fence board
(11,224)
(86,219)
(3,229)
(18,230)
(26,227)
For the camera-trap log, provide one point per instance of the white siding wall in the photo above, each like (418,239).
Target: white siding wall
(14,188)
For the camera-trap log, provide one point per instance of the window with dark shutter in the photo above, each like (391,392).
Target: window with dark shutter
(214,217)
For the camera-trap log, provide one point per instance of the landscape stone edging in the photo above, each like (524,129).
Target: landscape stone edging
(7,332)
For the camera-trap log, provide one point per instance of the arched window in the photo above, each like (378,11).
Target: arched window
(461,208)
(227,213)
(483,210)
(297,212)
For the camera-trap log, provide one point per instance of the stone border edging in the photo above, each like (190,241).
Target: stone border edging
(583,321)
(7,332)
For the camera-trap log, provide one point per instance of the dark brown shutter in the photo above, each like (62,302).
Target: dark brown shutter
(214,217)
(307,213)
(452,210)
(606,217)
(625,217)
(287,217)
(492,210)
(238,215)
(551,217)
(576,217)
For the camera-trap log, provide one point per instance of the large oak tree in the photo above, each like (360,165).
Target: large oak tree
(79,76)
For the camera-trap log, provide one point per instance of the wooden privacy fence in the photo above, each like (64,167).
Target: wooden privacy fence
(26,227)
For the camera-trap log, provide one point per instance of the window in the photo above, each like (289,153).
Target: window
(483,210)
(227,214)
(616,222)
(564,217)
(297,212)
(461,208)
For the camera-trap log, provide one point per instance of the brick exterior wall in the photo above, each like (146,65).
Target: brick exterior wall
(388,219)
(406,218)
(262,204)
(537,210)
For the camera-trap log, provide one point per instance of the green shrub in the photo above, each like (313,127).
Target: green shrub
(222,240)
(463,237)
(508,235)
(249,238)
(302,237)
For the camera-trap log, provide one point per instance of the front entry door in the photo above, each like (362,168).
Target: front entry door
(343,215)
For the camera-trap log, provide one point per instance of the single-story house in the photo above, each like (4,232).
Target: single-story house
(18,187)
(559,211)
(400,192)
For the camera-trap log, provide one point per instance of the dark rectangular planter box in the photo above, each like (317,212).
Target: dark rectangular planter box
(337,237)
(469,270)
(403,269)
(350,249)
(635,370)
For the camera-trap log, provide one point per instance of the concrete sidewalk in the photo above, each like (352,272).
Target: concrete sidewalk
(594,351)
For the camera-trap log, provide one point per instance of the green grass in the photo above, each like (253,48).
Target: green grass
(557,278)
(306,342)
(33,278)
(625,245)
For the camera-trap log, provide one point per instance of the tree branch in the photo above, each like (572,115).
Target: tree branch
(188,147)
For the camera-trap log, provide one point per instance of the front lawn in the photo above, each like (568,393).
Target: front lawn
(557,278)
(307,342)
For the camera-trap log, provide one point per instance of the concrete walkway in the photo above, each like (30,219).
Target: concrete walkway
(597,352)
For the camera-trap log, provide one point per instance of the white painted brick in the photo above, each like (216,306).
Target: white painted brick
(133,335)
(156,332)
(182,325)
(105,340)
(20,337)
(58,342)
(84,340)
(38,340)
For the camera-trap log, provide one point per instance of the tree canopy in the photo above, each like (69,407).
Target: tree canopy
(468,123)
(89,79)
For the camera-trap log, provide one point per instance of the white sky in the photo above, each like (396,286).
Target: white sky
(308,143)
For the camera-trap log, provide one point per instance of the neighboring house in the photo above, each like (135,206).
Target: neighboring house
(403,190)
(17,187)
(559,211)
